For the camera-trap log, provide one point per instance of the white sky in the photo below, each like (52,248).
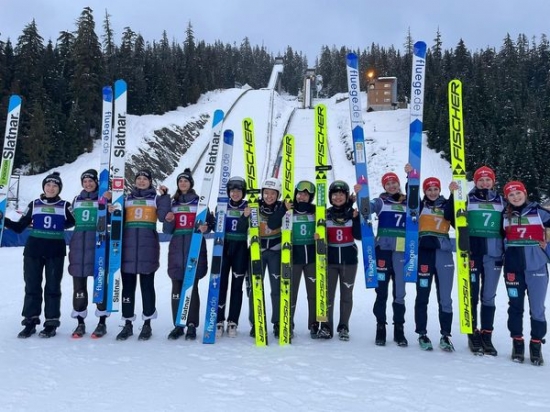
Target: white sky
(306,25)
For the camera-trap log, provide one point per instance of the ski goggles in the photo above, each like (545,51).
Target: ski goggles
(305,186)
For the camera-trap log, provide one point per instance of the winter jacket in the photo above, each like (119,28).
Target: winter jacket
(271,221)
(391,211)
(342,230)
(49,218)
(303,229)
(523,228)
(82,244)
(140,242)
(182,228)
(433,226)
(485,236)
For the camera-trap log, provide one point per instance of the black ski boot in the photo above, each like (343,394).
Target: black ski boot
(49,331)
(535,352)
(380,339)
(79,331)
(176,333)
(518,350)
(487,343)
(126,332)
(324,332)
(146,331)
(99,331)
(474,343)
(191,332)
(399,335)
(27,332)
(314,330)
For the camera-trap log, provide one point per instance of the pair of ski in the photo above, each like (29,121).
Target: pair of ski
(107,279)
(415,150)
(256,271)
(8,154)
(182,315)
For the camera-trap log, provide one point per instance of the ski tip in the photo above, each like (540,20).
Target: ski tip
(351,56)
(420,48)
(15,100)
(218,117)
(108,93)
(228,136)
(120,88)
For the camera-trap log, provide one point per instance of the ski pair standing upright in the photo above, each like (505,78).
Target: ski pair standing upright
(8,154)
(108,260)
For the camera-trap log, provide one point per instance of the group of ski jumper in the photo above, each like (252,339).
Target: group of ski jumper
(504,232)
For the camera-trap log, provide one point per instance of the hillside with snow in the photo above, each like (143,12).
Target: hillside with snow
(63,374)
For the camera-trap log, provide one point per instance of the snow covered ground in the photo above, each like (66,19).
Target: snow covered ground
(63,374)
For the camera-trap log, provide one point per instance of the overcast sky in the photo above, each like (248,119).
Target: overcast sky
(306,25)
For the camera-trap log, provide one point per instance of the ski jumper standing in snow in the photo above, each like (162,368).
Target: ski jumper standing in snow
(485,208)
(141,250)
(235,257)
(180,223)
(525,269)
(82,254)
(435,262)
(44,253)
(271,215)
(303,251)
(391,208)
(343,227)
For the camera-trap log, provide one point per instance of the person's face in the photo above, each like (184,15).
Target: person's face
(236,195)
(184,185)
(516,198)
(392,187)
(51,189)
(270,196)
(338,198)
(302,196)
(485,183)
(433,192)
(142,182)
(89,185)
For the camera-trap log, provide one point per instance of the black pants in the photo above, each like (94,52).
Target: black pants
(193,316)
(148,296)
(33,268)
(235,265)
(80,299)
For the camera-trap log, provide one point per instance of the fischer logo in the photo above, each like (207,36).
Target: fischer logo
(249,153)
(321,139)
(288,164)
(456,122)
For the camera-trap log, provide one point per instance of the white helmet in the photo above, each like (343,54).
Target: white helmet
(272,183)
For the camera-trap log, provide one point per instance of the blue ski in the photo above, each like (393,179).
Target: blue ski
(363,197)
(211,317)
(200,219)
(101,231)
(118,154)
(418,78)
(8,154)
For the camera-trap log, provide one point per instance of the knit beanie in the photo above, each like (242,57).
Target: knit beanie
(90,174)
(187,175)
(53,178)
